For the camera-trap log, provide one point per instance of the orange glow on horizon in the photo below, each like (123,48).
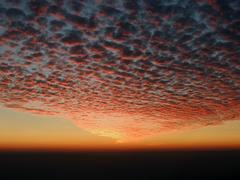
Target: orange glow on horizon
(20,131)
(114,148)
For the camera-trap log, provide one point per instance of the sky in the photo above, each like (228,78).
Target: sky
(103,73)
(25,131)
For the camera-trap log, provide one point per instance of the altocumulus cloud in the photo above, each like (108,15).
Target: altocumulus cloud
(122,68)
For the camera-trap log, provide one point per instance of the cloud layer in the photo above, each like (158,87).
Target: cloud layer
(122,68)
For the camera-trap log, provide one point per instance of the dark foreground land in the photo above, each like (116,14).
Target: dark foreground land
(121,165)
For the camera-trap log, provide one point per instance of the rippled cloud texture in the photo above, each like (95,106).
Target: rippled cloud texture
(122,68)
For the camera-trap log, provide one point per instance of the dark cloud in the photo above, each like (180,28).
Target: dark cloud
(38,7)
(122,68)
(57,25)
(73,37)
(78,50)
(77,20)
(15,14)
(109,11)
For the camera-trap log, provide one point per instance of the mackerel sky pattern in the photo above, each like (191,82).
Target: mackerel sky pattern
(122,68)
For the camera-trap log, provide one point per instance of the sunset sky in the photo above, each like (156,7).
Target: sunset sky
(25,131)
(119,74)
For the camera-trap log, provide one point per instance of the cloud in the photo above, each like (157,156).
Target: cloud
(15,14)
(72,37)
(123,69)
